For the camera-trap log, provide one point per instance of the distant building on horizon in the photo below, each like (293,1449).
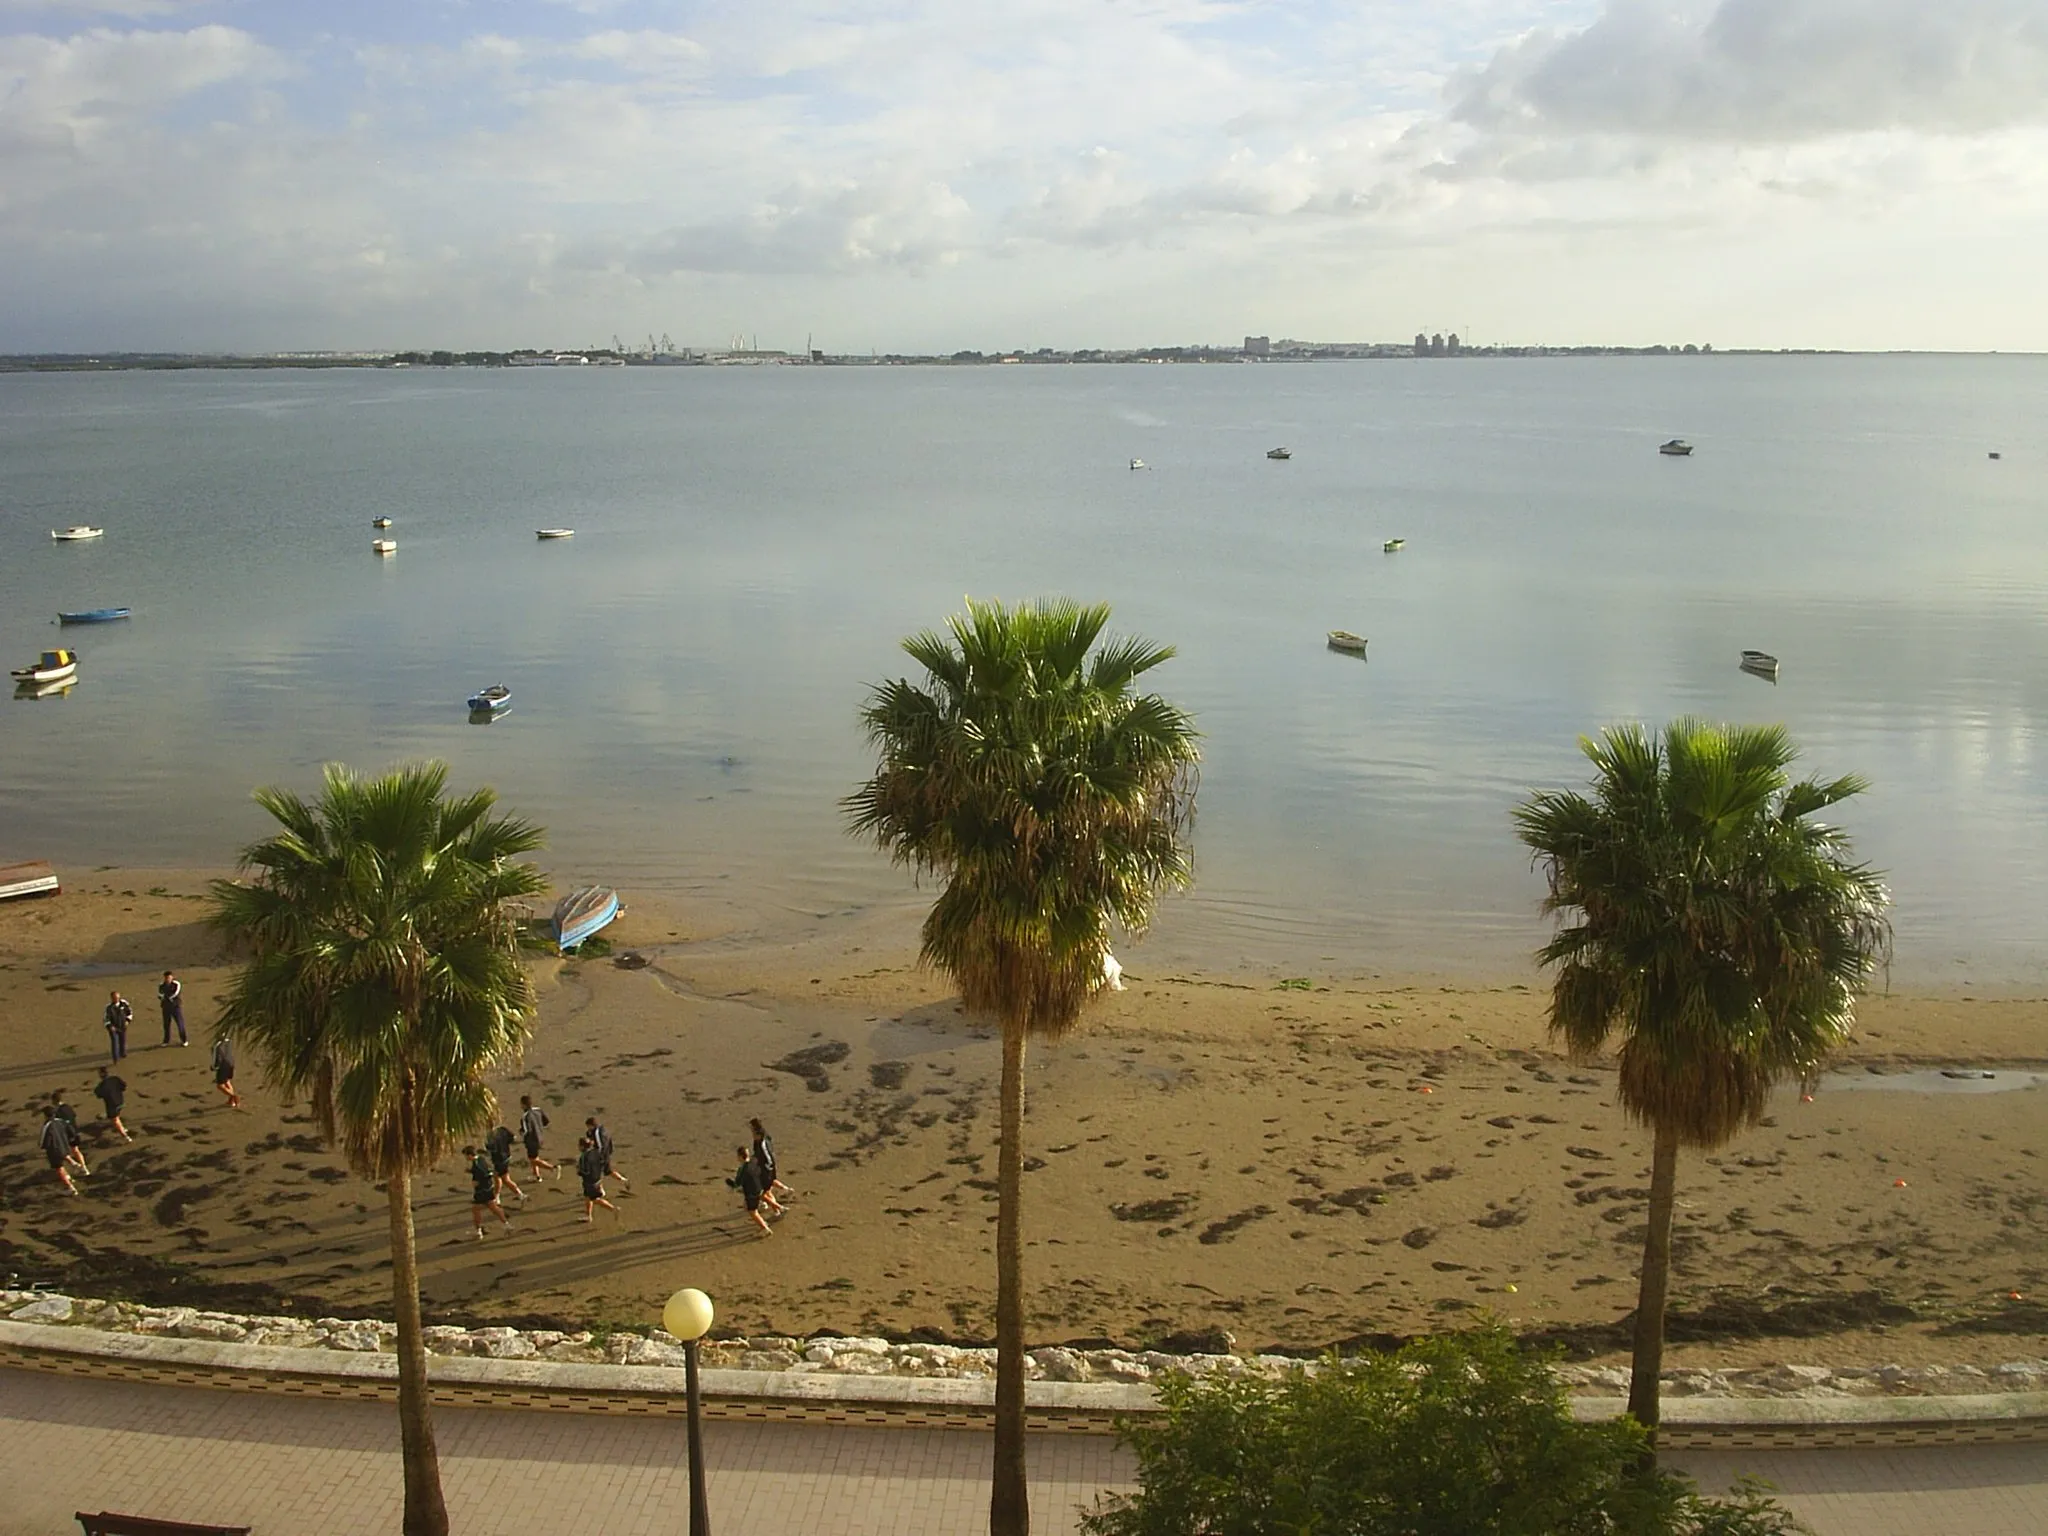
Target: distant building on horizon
(1421,344)
(1258,346)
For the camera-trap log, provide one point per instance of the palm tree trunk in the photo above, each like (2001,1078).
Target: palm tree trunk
(1656,1281)
(1009,1507)
(425,1512)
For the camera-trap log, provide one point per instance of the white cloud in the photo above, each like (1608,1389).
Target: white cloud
(1772,70)
(899,171)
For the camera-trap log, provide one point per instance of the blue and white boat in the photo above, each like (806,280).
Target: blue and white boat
(492,699)
(94,615)
(582,913)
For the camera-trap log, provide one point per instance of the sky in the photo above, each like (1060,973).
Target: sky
(925,175)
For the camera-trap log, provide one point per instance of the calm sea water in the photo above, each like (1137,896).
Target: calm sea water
(752,543)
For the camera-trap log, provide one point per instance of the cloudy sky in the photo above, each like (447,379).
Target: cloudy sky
(927,174)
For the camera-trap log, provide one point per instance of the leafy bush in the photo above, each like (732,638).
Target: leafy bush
(1458,1435)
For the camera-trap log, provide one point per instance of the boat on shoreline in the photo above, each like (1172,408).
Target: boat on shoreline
(34,878)
(582,913)
(76,534)
(93,615)
(51,667)
(1345,641)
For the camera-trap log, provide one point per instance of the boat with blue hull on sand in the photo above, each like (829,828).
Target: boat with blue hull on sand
(582,913)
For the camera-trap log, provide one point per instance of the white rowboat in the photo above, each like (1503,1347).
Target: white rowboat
(75,535)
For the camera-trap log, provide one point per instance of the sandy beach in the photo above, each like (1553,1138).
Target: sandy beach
(1299,1160)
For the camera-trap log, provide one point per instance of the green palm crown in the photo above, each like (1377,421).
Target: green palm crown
(1051,797)
(384,979)
(1706,916)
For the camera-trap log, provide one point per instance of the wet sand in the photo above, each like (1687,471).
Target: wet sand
(1296,1160)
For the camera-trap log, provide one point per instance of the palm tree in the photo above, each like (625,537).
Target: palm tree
(1714,927)
(384,983)
(1053,800)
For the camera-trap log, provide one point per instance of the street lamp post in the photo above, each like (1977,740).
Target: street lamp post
(688,1317)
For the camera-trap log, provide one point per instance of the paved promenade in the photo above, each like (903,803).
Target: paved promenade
(290,1466)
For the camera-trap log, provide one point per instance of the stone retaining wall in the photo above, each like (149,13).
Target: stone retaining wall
(849,1357)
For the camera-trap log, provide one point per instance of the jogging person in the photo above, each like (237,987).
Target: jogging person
(532,1121)
(224,1071)
(499,1145)
(602,1140)
(764,1159)
(747,1180)
(483,1191)
(115,1016)
(61,1149)
(590,1167)
(170,997)
(112,1094)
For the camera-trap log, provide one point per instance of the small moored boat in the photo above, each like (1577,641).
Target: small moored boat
(493,698)
(31,879)
(1345,641)
(380,522)
(80,532)
(1762,663)
(52,667)
(93,615)
(1677,448)
(1392,546)
(1279,453)
(554,533)
(384,546)
(1139,464)
(582,913)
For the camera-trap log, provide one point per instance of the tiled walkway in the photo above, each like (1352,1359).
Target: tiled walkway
(289,1466)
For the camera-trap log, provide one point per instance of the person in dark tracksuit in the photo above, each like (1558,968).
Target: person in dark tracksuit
(499,1145)
(483,1192)
(115,1016)
(170,998)
(590,1168)
(763,1149)
(112,1093)
(747,1180)
(60,1146)
(602,1140)
(532,1121)
(224,1070)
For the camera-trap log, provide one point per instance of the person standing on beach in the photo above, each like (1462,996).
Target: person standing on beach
(602,1140)
(764,1159)
(499,1145)
(112,1093)
(747,1180)
(590,1168)
(483,1191)
(170,997)
(61,1148)
(532,1121)
(224,1071)
(116,1016)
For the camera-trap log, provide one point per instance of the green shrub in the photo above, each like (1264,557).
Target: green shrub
(1458,1435)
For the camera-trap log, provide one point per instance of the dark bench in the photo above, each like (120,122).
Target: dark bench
(107,1523)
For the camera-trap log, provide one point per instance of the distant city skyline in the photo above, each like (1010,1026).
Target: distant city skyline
(258,175)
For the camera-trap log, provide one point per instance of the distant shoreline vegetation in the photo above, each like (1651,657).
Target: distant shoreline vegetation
(1273,352)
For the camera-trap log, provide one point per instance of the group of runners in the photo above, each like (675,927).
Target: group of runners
(491,1180)
(490,1165)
